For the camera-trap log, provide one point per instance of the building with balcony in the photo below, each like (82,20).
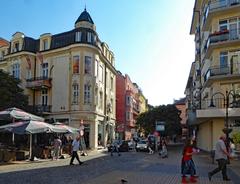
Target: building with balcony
(181,106)
(216,69)
(69,77)
(130,103)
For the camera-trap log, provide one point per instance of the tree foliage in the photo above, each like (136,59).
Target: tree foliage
(11,95)
(166,113)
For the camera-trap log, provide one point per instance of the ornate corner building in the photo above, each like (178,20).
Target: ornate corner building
(68,77)
(213,86)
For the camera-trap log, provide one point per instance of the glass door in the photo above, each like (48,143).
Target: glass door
(224,69)
(233,29)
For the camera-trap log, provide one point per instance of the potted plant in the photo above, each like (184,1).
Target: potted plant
(236,140)
(219,32)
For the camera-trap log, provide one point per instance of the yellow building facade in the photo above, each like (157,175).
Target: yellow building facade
(143,103)
(215,74)
(69,77)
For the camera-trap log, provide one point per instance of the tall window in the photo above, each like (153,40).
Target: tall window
(233,28)
(101,73)
(94,39)
(111,83)
(224,62)
(2,55)
(87,94)
(89,37)
(87,65)
(106,79)
(75,93)
(45,44)
(128,116)
(45,70)
(96,68)
(128,101)
(16,70)
(75,64)
(44,97)
(78,36)
(101,99)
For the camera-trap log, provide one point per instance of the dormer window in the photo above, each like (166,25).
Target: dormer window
(16,47)
(45,44)
(78,36)
(89,37)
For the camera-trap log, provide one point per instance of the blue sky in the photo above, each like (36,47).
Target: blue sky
(150,38)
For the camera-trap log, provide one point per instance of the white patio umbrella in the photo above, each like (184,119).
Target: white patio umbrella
(32,127)
(14,114)
(18,114)
(66,127)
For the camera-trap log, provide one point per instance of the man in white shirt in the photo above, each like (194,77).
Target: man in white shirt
(221,156)
(75,148)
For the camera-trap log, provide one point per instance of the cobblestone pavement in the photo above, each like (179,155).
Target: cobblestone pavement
(101,168)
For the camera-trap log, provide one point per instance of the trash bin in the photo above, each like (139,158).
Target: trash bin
(213,156)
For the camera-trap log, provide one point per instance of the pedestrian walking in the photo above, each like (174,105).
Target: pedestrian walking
(115,147)
(70,141)
(150,148)
(164,152)
(57,147)
(188,167)
(75,148)
(221,156)
(195,150)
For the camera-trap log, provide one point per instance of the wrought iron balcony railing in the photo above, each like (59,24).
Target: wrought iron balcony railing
(39,109)
(219,4)
(224,36)
(224,70)
(39,82)
(215,5)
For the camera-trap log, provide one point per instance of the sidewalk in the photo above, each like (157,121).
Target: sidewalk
(46,163)
(204,164)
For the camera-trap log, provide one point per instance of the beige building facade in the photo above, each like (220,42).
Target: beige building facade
(215,74)
(69,77)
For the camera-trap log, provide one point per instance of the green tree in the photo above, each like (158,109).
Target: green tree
(11,95)
(166,113)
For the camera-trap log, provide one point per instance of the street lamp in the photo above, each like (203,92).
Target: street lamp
(226,96)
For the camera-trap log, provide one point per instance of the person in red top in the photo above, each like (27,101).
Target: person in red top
(187,163)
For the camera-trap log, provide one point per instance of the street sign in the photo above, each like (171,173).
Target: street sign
(160,126)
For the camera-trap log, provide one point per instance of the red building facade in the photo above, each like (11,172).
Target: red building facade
(127,106)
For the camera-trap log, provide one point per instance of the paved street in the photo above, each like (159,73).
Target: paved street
(101,168)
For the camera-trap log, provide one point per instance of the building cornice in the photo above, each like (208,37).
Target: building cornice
(20,53)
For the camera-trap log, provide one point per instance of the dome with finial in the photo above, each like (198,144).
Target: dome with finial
(85,16)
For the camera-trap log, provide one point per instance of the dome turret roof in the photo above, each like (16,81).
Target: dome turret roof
(85,16)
